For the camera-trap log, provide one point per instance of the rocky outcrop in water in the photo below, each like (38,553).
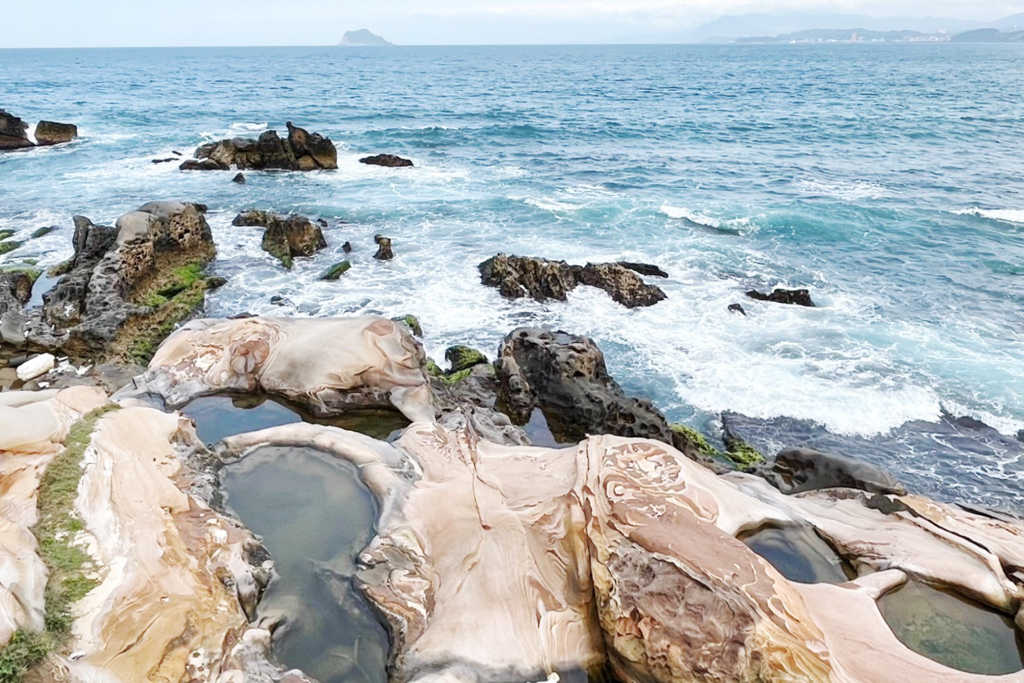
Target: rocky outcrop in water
(621,283)
(798,297)
(53,133)
(13,132)
(289,236)
(299,151)
(541,279)
(389,160)
(124,288)
(384,251)
(796,470)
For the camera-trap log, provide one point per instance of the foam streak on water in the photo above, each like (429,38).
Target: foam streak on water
(836,168)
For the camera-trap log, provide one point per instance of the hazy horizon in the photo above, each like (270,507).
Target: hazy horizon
(233,23)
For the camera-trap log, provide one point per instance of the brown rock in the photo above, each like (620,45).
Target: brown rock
(384,252)
(518,276)
(13,133)
(389,160)
(622,284)
(52,133)
(290,236)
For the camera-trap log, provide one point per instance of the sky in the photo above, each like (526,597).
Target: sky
(135,23)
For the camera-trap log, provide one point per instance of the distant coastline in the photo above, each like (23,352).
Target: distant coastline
(363,38)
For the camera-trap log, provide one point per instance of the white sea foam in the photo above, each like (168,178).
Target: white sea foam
(1008,215)
(697,217)
(847,191)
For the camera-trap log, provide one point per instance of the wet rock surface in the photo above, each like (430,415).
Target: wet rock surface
(300,150)
(384,251)
(541,279)
(13,132)
(798,297)
(389,160)
(795,470)
(53,133)
(286,237)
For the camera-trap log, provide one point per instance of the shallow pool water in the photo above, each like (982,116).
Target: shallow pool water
(952,630)
(314,516)
(799,554)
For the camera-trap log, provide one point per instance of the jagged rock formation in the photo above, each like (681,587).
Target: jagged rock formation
(299,151)
(384,251)
(799,297)
(289,236)
(13,132)
(327,365)
(796,470)
(125,287)
(541,279)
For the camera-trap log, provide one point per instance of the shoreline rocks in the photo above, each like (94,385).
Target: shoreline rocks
(52,133)
(540,279)
(14,133)
(300,150)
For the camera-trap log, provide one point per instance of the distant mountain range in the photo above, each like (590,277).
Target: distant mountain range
(809,27)
(363,38)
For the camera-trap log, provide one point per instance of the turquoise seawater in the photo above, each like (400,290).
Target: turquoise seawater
(888,179)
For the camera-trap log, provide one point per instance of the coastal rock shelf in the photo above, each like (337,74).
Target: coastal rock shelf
(487,562)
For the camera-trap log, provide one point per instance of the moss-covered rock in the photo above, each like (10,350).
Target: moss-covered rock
(6,234)
(686,438)
(413,322)
(463,357)
(9,245)
(42,232)
(335,271)
(742,453)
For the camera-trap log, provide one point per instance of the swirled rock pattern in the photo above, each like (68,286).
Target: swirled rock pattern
(325,364)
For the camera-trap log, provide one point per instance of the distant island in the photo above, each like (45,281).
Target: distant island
(363,38)
(989,35)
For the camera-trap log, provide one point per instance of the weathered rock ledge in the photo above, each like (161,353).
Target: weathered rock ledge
(300,150)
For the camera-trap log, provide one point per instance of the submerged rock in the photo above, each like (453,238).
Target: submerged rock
(644,268)
(799,297)
(53,133)
(299,151)
(737,308)
(239,178)
(13,132)
(389,160)
(335,271)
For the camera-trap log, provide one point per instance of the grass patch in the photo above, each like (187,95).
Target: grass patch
(24,650)
(67,563)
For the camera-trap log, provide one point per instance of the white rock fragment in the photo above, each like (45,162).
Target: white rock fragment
(36,367)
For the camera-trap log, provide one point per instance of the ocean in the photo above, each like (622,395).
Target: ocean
(887,179)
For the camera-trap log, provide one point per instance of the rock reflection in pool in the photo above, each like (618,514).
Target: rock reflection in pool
(799,554)
(953,631)
(314,516)
(218,417)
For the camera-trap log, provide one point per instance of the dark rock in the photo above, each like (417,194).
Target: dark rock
(202,165)
(803,469)
(737,308)
(312,151)
(622,284)
(278,300)
(165,161)
(389,160)
(13,132)
(255,217)
(176,153)
(53,133)
(799,297)
(463,358)
(347,247)
(518,276)
(290,236)
(64,304)
(300,151)
(384,252)
(566,377)
(239,178)
(321,222)
(644,268)
(215,282)
(19,284)
(335,271)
